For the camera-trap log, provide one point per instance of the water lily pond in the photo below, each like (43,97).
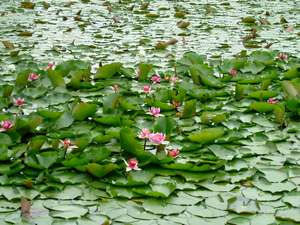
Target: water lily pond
(149,113)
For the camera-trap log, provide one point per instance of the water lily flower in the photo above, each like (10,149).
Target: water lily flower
(144,134)
(6,125)
(272,101)
(154,112)
(33,76)
(157,138)
(173,80)
(68,145)
(50,66)
(290,29)
(19,102)
(233,72)
(147,89)
(132,164)
(173,152)
(155,79)
(282,56)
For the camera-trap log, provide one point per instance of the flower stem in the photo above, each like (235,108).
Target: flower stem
(145,142)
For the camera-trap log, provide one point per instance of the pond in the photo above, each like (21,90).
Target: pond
(153,113)
(128,31)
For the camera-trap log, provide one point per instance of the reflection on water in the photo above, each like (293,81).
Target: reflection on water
(121,31)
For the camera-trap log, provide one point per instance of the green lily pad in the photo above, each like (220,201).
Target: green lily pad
(161,208)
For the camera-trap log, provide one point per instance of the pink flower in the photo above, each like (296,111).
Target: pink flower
(6,125)
(154,112)
(144,133)
(157,138)
(282,56)
(33,76)
(173,80)
(290,29)
(50,66)
(173,152)
(155,79)
(233,72)
(19,102)
(132,164)
(147,89)
(272,101)
(67,145)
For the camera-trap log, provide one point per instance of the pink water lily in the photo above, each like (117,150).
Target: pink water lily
(174,152)
(50,66)
(144,134)
(132,164)
(173,80)
(19,102)
(272,101)
(6,125)
(282,56)
(33,76)
(290,29)
(155,79)
(147,89)
(157,138)
(68,145)
(233,72)
(154,112)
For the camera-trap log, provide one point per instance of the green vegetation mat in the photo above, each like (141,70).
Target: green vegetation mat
(68,133)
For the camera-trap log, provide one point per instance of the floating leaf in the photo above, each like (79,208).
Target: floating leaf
(109,70)
(160,207)
(47,159)
(165,125)
(207,135)
(292,214)
(292,198)
(189,108)
(83,110)
(8,44)
(98,170)
(206,211)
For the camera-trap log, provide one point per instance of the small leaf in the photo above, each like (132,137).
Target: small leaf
(143,71)
(183,24)
(98,170)
(132,146)
(207,211)
(165,125)
(292,214)
(27,5)
(160,207)
(208,135)
(5,139)
(56,79)
(8,44)
(83,110)
(109,70)
(46,159)
(189,109)
(65,120)
(248,19)
(262,107)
